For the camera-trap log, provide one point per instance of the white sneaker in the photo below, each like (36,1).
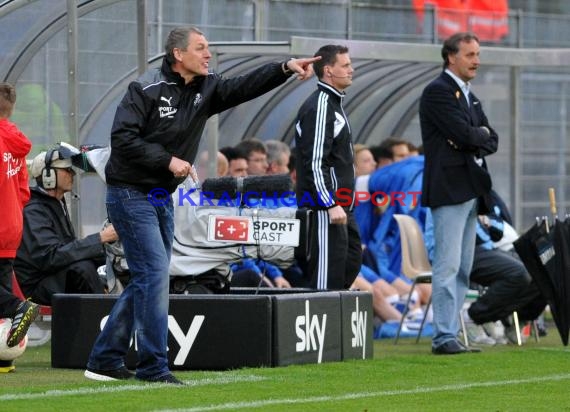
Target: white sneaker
(477,335)
(496,330)
(411,324)
(416,314)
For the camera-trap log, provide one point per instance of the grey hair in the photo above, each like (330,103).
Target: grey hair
(178,39)
(274,149)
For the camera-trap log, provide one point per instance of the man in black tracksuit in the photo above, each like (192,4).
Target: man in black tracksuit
(154,140)
(325,174)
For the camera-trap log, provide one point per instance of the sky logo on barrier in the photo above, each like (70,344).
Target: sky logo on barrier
(185,341)
(358,327)
(311,332)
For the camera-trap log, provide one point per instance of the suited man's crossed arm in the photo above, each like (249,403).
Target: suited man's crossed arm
(446,112)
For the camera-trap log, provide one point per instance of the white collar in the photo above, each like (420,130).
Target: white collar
(465,86)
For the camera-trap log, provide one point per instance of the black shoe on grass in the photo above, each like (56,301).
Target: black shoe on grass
(170,378)
(120,374)
(26,313)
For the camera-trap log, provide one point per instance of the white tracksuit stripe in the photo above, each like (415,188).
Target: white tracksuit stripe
(323,258)
(318,146)
(156,84)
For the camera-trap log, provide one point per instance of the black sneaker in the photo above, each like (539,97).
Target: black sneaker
(120,374)
(170,378)
(26,313)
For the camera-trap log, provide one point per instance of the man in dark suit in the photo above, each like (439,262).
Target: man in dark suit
(456,137)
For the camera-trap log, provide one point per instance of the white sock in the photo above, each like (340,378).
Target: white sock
(393,299)
(415,298)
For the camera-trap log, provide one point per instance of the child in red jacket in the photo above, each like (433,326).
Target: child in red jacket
(15,192)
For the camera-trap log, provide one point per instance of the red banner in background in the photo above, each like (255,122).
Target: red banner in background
(488,19)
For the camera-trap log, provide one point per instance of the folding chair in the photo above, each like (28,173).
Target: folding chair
(416,266)
(415,263)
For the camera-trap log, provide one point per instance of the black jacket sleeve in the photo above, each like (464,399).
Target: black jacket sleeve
(47,244)
(236,90)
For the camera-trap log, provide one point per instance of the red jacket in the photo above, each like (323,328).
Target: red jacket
(14,187)
(488,19)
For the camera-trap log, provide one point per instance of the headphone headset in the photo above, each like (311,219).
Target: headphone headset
(49,174)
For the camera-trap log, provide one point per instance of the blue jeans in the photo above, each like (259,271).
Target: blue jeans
(146,232)
(454,235)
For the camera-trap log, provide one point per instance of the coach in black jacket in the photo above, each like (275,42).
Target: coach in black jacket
(154,139)
(325,173)
(456,137)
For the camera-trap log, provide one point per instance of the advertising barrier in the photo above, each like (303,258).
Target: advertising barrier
(218,332)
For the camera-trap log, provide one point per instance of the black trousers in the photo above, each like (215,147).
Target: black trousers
(79,277)
(509,288)
(8,302)
(336,253)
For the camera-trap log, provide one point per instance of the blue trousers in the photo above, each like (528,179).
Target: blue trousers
(141,312)
(454,236)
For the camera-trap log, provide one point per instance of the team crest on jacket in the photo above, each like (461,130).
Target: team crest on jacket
(166,111)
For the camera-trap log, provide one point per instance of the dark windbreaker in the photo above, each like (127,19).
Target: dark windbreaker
(49,243)
(160,117)
(325,170)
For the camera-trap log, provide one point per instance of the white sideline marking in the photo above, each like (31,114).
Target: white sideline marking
(566,349)
(358,395)
(142,386)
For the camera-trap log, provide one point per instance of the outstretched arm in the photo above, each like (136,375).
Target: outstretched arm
(236,90)
(303,67)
